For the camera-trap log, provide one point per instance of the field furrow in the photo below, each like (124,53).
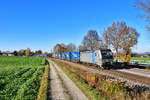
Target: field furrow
(20,77)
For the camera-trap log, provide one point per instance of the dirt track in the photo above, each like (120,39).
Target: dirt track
(58,92)
(61,87)
(131,79)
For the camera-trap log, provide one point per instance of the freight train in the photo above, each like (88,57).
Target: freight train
(101,57)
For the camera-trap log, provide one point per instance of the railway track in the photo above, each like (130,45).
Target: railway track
(144,71)
(131,79)
(136,78)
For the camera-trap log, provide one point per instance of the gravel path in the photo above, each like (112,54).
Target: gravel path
(59,80)
(58,92)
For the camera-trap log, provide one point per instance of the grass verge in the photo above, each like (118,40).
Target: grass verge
(42,94)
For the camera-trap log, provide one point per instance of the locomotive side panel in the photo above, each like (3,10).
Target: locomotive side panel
(98,58)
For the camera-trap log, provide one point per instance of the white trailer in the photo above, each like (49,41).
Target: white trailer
(86,57)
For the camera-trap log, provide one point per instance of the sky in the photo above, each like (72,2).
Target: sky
(40,24)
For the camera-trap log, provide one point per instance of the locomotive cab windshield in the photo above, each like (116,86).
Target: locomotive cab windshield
(107,54)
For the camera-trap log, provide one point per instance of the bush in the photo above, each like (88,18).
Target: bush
(148,67)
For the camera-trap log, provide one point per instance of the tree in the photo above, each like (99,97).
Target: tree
(15,53)
(38,52)
(144,5)
(106,41)
(70,47)
(60,48)
(92,40)
(46,53)
(121,37)
(82,48)
(134,55)
(27,53)
(21,52)
(57,48)
(32,53)
(112,35)
(0,52)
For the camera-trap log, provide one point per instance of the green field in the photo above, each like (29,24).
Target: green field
(137,59)
(20,77)
(140,59)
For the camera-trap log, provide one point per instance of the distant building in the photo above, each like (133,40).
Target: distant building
(7,53)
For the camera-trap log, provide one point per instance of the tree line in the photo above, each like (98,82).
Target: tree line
(25,52)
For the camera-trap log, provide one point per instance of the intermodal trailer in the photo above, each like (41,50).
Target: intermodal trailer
(57,55)
(75,56)
(87,57)
(63,56)
(68,55)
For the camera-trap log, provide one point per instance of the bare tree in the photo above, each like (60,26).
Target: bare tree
(129,38)
(59,48)
(112,35)
(63,47)
(144,5)
(82,48)
(21,52)
(38,52)
(70,47)
(106,41)
(92,40)
(121,37)
(46,53)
